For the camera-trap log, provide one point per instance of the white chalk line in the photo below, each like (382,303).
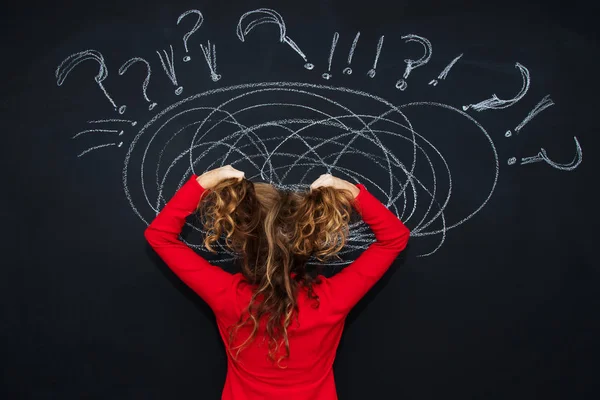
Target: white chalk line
(99,147)
(97,131)
(100,121)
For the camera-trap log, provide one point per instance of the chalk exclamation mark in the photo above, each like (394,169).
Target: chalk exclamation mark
(336,36)
(371,73)
(444,73)
(348,70)
(541,106)
(168,65)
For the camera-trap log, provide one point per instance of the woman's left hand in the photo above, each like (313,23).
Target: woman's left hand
(211,178)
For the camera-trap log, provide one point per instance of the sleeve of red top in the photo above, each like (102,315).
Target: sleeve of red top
(211,283)
(348,286)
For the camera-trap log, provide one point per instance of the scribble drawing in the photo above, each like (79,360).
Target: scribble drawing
(286,132)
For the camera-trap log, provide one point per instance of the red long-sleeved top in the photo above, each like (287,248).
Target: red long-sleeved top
(314,339)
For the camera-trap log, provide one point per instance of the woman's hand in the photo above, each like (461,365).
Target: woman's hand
(336,183)
(211,178)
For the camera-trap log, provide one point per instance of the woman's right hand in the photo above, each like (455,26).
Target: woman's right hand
(211,178)
(328,180)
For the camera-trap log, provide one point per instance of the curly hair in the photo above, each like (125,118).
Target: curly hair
(274,233)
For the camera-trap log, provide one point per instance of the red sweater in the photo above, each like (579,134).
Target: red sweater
(314,339)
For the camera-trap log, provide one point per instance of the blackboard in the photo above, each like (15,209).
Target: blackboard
(474,123)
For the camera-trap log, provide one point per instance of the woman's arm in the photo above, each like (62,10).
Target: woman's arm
(348,286)
(210,282)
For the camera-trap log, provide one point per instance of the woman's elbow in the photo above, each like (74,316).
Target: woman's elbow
(399,243)
(150,235)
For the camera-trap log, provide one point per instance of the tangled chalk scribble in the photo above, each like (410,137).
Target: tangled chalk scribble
(310,130)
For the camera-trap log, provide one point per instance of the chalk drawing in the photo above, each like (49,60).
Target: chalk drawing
(65,67)
(287,133)
(199,21)
(97,131)
(371,73)
(494,103)
(541,106)
(348,69)
(99,121)
(445,71)
(168,65)
(285,151)
(542,156)
(267,16)
(210,55)
(327,75)
(99,147)
(413,64)
(128,64)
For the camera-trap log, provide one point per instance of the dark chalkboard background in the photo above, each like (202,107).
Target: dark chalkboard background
(506,308)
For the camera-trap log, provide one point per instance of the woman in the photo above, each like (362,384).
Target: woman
(280,322)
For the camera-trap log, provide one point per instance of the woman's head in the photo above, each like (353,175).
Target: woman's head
(274,233)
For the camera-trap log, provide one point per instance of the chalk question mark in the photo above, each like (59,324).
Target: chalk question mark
(194,29)
(65,67)
(412,64)
(128,64)
(542,156)
(252,19)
